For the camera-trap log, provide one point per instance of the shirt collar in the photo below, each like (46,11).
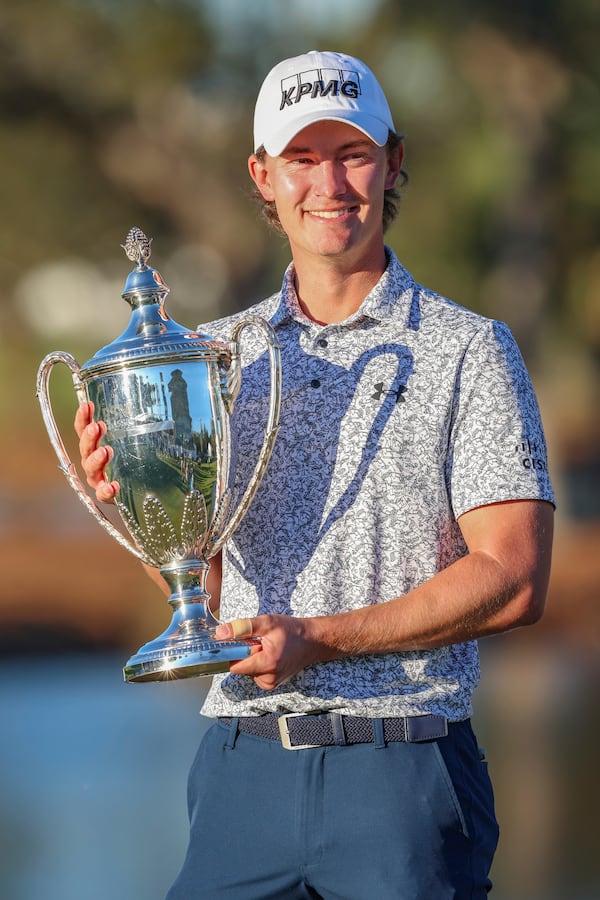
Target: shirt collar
(388,298)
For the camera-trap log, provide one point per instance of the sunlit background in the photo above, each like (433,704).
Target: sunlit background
(116,113)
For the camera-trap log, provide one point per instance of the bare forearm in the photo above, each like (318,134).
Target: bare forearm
(469,600)
(483,593)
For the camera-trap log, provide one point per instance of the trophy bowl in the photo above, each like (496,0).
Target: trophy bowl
(166,395)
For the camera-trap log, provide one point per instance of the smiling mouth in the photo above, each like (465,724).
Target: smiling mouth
(331,213)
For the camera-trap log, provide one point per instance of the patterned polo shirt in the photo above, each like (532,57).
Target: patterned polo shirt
(394,422)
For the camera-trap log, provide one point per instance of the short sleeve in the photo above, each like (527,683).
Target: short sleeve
(497,448)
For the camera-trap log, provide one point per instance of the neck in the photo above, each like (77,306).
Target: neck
(329,294)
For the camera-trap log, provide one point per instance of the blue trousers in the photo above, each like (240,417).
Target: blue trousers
(396,822)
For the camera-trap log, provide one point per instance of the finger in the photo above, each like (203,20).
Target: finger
(90,438)
(237,629)
(95,463)
(267,683)
(254,668)
(107,491)
(241,628)
(83,417)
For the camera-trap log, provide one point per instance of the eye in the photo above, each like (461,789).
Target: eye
(356,156)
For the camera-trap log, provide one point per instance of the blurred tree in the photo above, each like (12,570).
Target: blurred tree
(70,74)
(114,114)
(502,131)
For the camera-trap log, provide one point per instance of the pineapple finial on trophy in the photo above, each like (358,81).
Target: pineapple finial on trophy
(137,246)
(143,283)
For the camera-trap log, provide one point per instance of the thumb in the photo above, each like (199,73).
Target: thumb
(237,629)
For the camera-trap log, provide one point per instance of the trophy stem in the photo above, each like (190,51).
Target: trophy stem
(187,582)
(188,646)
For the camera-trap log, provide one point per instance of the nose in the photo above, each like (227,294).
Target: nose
(330,179)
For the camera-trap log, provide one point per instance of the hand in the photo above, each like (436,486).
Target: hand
(285,649)
(94,458)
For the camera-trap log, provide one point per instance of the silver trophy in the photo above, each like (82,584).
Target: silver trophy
(166,395)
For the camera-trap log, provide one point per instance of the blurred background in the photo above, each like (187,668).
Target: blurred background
(116,113)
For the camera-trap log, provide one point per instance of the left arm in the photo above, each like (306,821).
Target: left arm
(500,584)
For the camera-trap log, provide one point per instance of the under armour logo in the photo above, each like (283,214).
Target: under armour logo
(380,391)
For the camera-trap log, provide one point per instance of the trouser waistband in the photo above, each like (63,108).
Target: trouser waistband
(297,731)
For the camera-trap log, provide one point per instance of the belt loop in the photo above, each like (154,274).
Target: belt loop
(378,737)
(337,726)
(233,733)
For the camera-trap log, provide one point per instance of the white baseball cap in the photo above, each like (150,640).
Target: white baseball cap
(319,86)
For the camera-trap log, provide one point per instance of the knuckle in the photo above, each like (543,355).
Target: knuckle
(99,457)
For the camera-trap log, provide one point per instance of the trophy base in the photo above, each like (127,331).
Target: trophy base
(206,657)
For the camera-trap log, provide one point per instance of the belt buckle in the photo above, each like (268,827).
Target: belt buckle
(284,733)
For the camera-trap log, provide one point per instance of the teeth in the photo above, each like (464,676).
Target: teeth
(329,214)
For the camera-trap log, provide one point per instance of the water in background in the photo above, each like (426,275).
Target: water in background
(92,779)
(93,774)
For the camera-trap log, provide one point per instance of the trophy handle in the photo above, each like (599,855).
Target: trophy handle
(272,425)
(66,466)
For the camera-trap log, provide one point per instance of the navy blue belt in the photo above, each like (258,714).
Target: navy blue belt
(298,731)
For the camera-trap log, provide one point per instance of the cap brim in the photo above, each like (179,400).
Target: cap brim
(374,128)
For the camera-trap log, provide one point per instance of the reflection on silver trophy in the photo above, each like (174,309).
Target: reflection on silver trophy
(166,395)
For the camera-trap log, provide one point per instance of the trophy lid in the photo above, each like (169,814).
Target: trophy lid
(151,335)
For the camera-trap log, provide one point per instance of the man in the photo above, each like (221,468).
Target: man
(406,512)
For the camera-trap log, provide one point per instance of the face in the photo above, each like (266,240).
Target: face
(328,187)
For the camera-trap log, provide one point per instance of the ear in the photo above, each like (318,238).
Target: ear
(395,158)
(259,173)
